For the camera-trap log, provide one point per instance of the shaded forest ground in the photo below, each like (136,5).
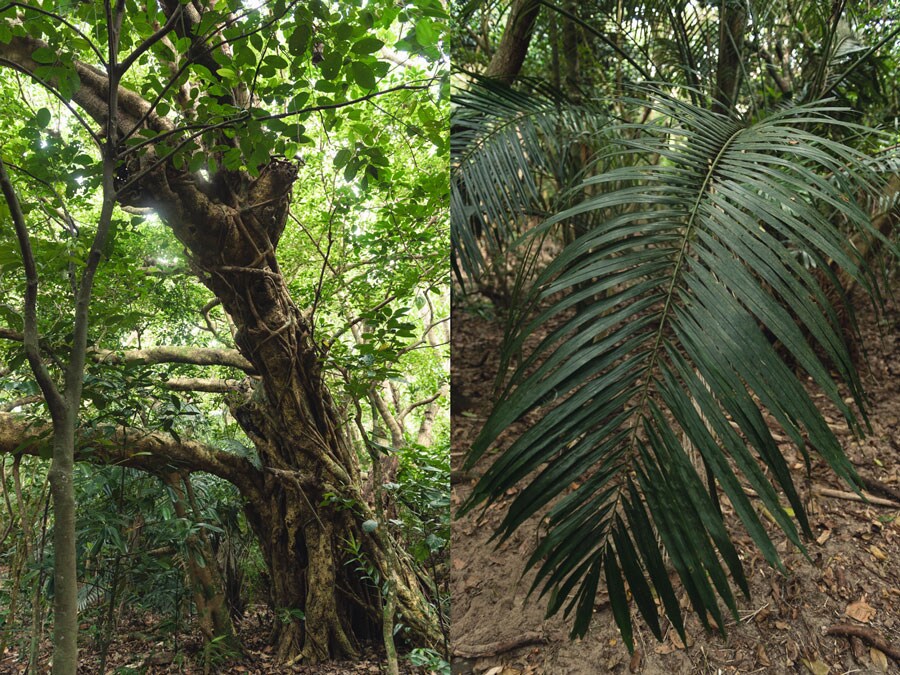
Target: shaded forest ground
(853,576)
(139,648)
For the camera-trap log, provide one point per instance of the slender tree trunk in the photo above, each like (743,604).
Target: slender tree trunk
(65,586)
(203,573)
(732,27)
(510,55)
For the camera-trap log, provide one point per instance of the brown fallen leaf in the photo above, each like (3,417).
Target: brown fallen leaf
(762,657)
(861,611)
(879,659)
(635,663)
(877,552)
(817,667)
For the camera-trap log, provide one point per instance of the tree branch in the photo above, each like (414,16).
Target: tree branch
(54,398)
(425,401)
(150,41)
(192,356)
(135,448)
(210,385)
(197,356)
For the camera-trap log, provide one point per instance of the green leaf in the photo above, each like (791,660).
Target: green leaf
(276,61)
(42,117)
(331,65)
(44,55)
(425,32)
(363,75)
(367,45)
(299,40)
(655,379)
(341,157)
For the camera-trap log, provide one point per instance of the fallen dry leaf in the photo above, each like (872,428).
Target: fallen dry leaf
(879,659)
(635,663)
(503,670)
(861,611)
(762,657)
(877,552)
(817,667)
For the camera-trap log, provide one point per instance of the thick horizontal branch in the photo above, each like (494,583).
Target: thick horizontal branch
(196,356)
(136,448)
(193,356)
(211,385)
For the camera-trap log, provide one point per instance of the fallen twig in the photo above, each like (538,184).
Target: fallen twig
(867,635)
(867,497)
(497,648)
(883,488)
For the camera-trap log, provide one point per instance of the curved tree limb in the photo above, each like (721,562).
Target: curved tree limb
(135,448)
(52,394)
(194,356)
(197,356)
(211,385)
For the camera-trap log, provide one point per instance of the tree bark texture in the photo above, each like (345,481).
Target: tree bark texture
(65,583)
(732,28)
(510,55)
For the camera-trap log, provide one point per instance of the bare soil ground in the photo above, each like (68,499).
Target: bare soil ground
(852,576)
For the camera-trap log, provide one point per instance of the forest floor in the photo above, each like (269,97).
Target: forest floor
(852,576)
(138,649)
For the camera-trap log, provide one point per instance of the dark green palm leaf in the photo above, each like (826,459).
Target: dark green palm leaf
(661,328)
(512,157)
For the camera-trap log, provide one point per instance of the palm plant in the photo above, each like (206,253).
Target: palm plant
(684,321)
(497,131)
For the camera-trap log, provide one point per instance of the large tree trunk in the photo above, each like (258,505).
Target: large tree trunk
(302,516)
(311,505)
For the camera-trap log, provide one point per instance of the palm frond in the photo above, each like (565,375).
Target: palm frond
(512,156)
(662,324)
